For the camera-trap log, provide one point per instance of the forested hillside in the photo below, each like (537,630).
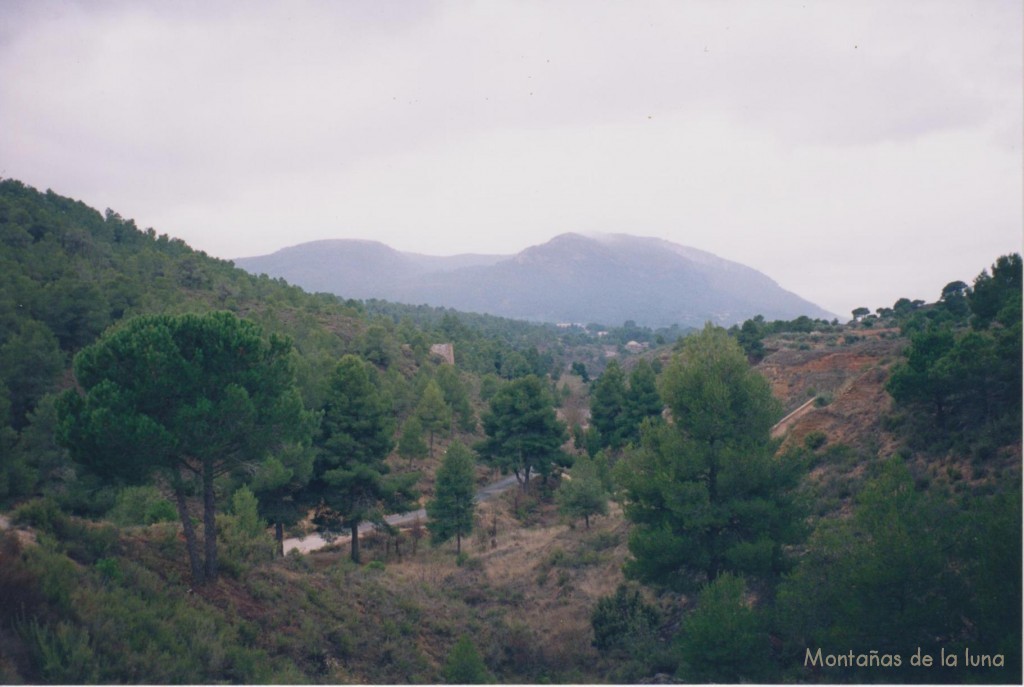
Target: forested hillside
(165,417)
(67,273)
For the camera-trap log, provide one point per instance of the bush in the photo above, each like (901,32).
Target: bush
(62,654)
(297,561)
(143,505)
(623,622)
(82,540)
(88,542)
(724,640)
(109,569)
(464,665)
(464,560)
(20,594)
(244,533)
(55,574)
(43,514)
(815,440)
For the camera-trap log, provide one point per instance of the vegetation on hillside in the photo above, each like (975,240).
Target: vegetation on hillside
(143,383)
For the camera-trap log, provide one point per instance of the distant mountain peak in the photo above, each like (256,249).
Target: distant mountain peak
(579,277)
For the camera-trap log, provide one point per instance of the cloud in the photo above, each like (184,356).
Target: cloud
(806,139)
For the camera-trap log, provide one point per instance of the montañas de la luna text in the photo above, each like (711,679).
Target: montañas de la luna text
(875,659)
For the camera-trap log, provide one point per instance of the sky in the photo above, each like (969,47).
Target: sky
(854,151)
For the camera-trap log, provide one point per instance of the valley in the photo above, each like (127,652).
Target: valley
(764,491)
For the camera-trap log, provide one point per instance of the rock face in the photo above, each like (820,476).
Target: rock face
(607,279)
(445,352)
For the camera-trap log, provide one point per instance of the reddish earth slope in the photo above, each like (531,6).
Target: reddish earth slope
(848,380)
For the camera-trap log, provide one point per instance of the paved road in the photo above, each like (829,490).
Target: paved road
(315,541)
(782,425)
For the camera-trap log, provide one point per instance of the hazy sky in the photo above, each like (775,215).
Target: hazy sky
(854,151)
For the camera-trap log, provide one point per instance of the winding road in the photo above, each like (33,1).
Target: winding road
(314,541)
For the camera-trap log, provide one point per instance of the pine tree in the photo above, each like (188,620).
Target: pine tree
(278,483)
(704,491)
(608,410)
(451,510)
(724,627)
(642,399)
(410,443)
(583,494)
(190,397)
(456,397)
(464,665)
(351,482)
(523,433)
(433,412)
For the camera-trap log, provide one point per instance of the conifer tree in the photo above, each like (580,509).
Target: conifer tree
(351,482)
(455,395)
(642,399)
(451,510)
(410,443)
(278,484)
(190,397)
(433,412)
(523,433)
(583,494)
(704,492)
(608,410)
(465,666)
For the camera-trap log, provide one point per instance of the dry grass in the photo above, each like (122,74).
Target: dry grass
(526,590)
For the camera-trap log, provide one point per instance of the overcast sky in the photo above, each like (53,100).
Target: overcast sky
(854,151)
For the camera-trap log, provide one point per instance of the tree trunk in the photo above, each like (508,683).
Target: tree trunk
(586,519)
(279,536)
(209,521)
(458,543)
(191,545)
(524,479)
(355,542)
(714,532)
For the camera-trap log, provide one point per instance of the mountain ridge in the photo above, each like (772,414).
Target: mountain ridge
(606,278)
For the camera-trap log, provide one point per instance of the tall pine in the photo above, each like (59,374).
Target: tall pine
(451,510)
(704,491)
(351,482)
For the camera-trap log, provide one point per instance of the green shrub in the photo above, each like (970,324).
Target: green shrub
(62,654)
(891,422)
(56,574)
(724,640)
(815,440)
(82,540)
(244,534)
(464,666)
(623,622)
(88,542)
(43,514)
(297,561)
(600,541)
(142,505)
(109,569)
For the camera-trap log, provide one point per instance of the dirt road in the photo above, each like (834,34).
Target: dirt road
(315,541)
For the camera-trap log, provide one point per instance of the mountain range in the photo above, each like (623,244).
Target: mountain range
(606,279)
